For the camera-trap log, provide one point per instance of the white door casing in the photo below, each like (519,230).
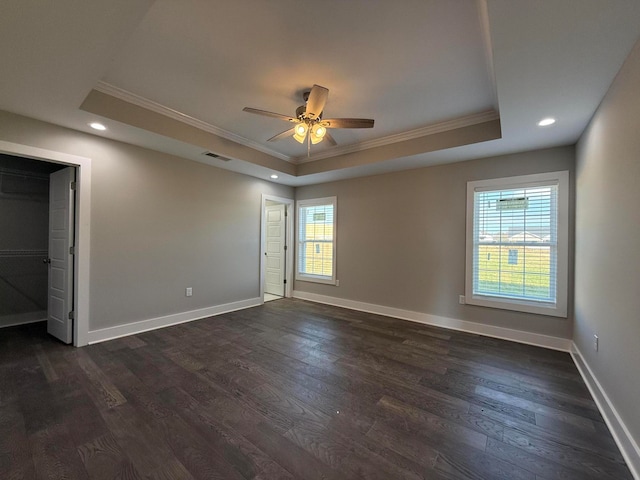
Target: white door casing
(61,238)
(82,227)
(275,239)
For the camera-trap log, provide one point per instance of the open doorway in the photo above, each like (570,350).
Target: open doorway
(276,259)
(36,244)
(64,188)
(24,241)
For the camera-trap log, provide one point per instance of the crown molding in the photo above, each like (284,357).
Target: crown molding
(134,99)
(431,129)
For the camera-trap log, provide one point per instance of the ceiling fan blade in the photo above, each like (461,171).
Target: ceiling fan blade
(330,139)
(286,118)
(317,99)
(280,136)
(347,123)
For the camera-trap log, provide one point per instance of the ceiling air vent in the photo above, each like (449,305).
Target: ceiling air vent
(215,155)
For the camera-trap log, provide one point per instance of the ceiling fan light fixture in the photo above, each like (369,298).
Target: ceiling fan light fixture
(301,129)
(300,132)
(309,125)
(319,131)
(315,139)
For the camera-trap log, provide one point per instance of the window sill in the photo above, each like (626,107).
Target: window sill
(315,279)
(551,310)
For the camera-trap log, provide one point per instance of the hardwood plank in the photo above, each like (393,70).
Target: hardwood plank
(15,451)
(194,452)
(542,469)
(406,445)
(290,455)
(104,390)
(352,460)
(537,408)
(457,424)
(468,393)
(81,416)
(171,470)
(236,450)
(297,390)
(48,370)
(103,458)
(54,455)
(141,442)
(241,387)
(478,466)
(569,455)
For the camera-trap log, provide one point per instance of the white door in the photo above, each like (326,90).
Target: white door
(61,225)
(275,249)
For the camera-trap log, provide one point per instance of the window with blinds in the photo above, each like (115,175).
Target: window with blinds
(516,243)
(316,240)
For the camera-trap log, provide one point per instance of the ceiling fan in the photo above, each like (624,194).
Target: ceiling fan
(308,120)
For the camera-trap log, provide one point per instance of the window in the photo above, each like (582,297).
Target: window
(517,243)
(316,240)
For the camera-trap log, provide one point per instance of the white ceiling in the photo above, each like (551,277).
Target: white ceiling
(413,65)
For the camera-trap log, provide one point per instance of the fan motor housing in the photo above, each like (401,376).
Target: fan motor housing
(302,110)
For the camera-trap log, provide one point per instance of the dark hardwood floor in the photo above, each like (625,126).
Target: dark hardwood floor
(296,390)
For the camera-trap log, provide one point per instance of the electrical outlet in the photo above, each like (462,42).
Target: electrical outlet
(595,342)
(461,300)
(337,283)
(188,291)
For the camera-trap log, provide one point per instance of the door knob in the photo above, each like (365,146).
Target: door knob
(46,260)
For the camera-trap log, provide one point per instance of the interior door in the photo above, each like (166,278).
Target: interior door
(275,249)
(61,235)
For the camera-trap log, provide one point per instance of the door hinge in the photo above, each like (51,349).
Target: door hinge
(285,248)
(285,213)
(72,315)
(73,185)
(285,281)
(72,250)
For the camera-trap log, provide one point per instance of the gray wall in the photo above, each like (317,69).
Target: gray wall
(159,224)
(607,292)
(401,238)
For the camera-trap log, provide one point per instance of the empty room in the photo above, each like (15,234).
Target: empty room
(253,240)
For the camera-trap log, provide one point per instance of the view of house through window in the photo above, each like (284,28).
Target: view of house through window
(515,242)
(316,240)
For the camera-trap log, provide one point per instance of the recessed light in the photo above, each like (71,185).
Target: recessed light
(97,126)
(274,176)
(545,122)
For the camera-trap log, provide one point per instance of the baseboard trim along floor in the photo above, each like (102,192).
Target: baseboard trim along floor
(536,339)
(102,335)
(627,445)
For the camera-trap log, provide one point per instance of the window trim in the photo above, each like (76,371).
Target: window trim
(559,309)
(305,277)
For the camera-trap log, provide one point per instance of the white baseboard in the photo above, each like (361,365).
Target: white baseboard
(22,319)
(622,436)
(539,340)
(104,334)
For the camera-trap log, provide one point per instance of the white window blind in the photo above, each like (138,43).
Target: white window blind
(516,243)
(316,240)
